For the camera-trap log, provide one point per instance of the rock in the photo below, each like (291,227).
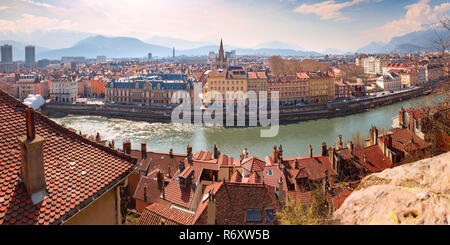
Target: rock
(415,193)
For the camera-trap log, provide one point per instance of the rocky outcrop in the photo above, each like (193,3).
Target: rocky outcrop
(415,193)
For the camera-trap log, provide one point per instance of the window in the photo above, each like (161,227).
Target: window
(253,215)
(269,172)
(269,215)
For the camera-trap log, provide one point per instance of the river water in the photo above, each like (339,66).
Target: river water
(294,137)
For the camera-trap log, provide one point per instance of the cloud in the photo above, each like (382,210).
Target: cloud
(328,10)
(45,5)
(30,23)
(418,16)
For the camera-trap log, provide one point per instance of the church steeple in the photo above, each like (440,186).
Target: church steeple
(221,60)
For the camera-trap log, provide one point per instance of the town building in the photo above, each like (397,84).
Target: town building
(28,84)
(389,81)
(30,58)
(321,87)
(63,90)
(292,89)
(342,90)
(140,91)
(6,53)
(228,84)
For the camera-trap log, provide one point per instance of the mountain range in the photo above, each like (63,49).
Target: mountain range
(411,42)
(91,45)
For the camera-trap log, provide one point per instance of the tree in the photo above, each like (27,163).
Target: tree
(441,42)
(295,212)
(446,23)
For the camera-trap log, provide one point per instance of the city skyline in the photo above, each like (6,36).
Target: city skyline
(349,24)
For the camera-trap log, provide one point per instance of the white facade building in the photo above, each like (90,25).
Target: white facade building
(389,81)
(63,90)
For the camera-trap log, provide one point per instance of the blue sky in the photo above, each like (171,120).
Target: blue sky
(310,24)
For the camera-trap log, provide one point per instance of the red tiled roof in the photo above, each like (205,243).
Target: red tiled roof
(376,160)
(153,190)
(254,178)
(156,214)
(236,177)
(177,194)
(405,140)
(253,164)
(77,170)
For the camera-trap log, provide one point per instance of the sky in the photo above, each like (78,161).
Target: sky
(313,25)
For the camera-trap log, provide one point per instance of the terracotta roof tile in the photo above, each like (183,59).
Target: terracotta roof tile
(156,214)
(76,169)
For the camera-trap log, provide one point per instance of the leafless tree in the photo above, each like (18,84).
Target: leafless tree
(441,42)
(446,23)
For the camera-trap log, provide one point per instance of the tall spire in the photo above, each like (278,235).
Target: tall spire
(221,52)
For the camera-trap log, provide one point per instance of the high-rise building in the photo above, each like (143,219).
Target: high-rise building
(30,56)
(173,53)
(149,56)
(6,51)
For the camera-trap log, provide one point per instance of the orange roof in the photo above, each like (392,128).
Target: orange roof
(156,214)
(77,170)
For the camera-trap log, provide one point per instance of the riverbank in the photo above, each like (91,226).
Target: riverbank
(286,114)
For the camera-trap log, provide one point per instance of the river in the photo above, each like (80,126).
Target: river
(294,137)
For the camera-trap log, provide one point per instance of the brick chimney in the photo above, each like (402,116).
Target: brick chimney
(216,152)
(144,150)
(145,192)
(275,154)
(350,146)
(401,118)
(339,142)
(331,158)
(374,136)
(189,153)
(111,144)
(324,149)
(296,164)
(98,138)
(310,151)
(127,147)
(32,155)
(280,190)
(280,154)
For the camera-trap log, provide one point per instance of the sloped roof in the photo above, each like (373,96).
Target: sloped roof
(157,213)
(77,170)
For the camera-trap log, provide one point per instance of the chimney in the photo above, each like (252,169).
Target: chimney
(296,164)
(145,192)
(211,209)
(280,154)
(324,149)
(160,180)
(144,150)
(275,154)
(216,155)
(310,151)
(401,118)
(339,142)
(331,158)
(365,157)
(98,138)
(181,166)
(171,153)
(32,154)
(375,136)
(189,153)
(280,190)
(127,147)
(350,146)
(112,144)
(389,140)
